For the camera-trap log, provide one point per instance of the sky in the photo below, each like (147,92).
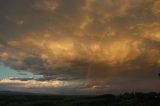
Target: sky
(80,46)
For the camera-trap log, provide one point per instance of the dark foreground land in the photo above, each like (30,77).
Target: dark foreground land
(127,99)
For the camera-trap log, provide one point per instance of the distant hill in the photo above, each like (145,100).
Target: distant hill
(16,93)
(9,98)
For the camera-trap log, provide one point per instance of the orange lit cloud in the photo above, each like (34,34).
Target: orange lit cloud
(88,40)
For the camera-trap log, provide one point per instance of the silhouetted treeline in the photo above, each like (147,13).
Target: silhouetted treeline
(127,99)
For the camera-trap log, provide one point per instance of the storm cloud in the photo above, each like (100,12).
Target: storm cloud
(93,42)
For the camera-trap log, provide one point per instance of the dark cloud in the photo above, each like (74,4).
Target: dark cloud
(22,79)
(86,40)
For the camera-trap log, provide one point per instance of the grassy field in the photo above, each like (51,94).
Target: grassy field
(127,99)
